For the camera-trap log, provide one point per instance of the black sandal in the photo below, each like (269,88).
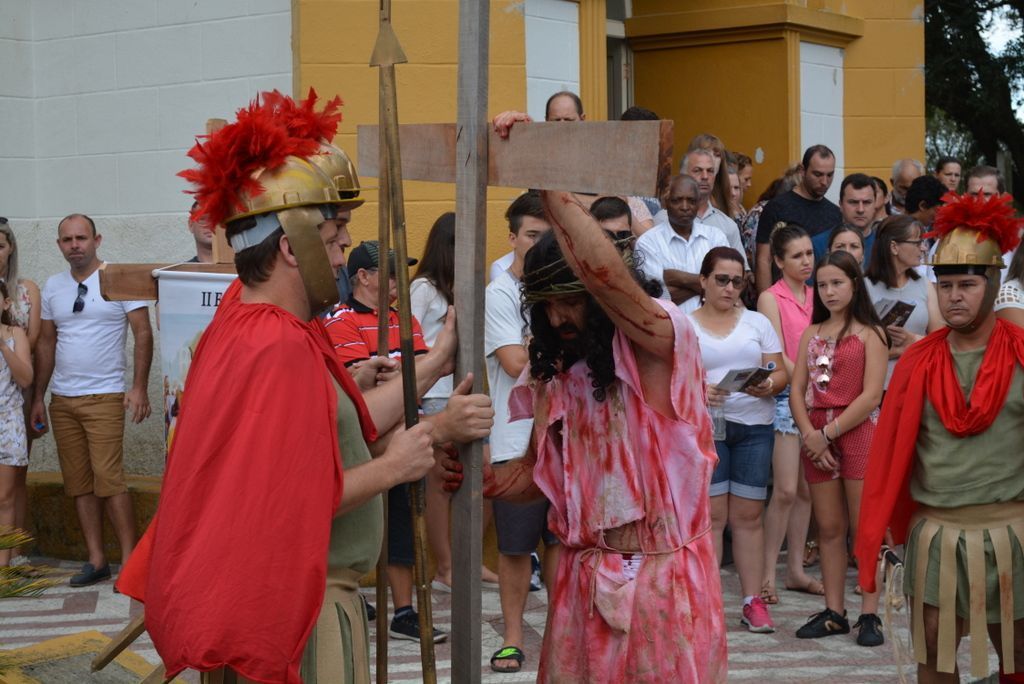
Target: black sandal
(508,653)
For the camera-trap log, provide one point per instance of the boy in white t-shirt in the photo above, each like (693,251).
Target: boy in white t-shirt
(520,527)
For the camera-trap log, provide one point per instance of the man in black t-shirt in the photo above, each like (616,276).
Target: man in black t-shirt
(804,205)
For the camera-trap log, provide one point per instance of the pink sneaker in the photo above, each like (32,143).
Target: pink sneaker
(756,617)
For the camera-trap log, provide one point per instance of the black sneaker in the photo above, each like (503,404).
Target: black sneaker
(870,633)
(823,624)
(371,612)
(407,626)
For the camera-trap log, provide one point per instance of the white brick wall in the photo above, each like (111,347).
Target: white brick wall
(821,104)
(99,102)
(552,51)
(98,97)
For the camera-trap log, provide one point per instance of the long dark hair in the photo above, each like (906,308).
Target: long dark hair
(881,268)
(5,317)
(860,308)
(438,263)
(548,355)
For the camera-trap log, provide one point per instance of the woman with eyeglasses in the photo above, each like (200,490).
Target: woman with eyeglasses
(834,397)
(892,274)
(734,338)
(24,314)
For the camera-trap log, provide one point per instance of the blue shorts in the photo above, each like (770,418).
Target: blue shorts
(783,416)
(744,461)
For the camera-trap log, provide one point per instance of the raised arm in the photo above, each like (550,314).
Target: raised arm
(598,264)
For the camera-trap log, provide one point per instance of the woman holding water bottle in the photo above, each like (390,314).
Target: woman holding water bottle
(735,338)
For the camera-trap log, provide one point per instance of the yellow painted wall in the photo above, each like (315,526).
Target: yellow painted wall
(701,89)
(884,87)
(332,42)
(731,67)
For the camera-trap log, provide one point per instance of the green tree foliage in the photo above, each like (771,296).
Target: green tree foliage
(968,88)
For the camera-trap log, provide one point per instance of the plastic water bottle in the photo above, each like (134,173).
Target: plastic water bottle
(718,421)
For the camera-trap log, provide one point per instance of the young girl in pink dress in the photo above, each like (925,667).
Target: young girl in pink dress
(836,389)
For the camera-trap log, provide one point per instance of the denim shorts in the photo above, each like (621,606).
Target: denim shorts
(744,461)
(433,406)
(783,416)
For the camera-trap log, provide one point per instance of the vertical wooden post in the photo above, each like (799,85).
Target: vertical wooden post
(383,339)
(470,253)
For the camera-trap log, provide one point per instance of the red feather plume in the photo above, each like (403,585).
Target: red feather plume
(992,217)
(301,118)
(229,158)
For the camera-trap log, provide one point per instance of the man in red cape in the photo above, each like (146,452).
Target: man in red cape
(945,473)
(232,570)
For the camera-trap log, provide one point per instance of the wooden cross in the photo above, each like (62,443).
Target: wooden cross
(612,157)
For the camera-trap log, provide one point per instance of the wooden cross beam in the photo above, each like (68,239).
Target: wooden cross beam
(612,157)
(604,157)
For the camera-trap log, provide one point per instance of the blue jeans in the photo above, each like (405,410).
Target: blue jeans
(744,461)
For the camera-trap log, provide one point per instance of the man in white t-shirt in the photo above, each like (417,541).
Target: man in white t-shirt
(81,357)
(520,527)
(673,251)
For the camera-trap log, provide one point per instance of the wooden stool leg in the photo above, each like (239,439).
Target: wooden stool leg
(157,676)
(119,643)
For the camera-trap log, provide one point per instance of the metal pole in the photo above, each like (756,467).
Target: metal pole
(386,53)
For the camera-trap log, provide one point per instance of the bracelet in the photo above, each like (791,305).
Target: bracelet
(771,384)
(837,431)
(825,435)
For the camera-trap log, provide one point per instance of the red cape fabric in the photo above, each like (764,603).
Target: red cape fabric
(232,569)
(926,369)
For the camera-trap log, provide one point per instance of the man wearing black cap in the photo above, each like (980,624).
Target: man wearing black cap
(352,327)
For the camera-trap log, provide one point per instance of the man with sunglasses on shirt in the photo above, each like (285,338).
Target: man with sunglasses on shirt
(81,357)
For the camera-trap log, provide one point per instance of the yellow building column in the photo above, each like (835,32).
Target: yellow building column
(594,59)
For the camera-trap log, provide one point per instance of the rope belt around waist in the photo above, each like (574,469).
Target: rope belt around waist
(973,522)
(594,556)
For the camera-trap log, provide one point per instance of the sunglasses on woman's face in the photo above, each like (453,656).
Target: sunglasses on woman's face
(722,280)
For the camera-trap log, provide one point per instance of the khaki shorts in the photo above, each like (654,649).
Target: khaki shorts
(89,431)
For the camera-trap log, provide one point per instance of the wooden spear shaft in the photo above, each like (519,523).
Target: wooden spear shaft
(383,344)
(387,52)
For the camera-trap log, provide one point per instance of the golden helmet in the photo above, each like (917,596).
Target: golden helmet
(296,183)
(964,246)
(339,168)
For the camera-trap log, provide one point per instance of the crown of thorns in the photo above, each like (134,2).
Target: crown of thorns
(543,283)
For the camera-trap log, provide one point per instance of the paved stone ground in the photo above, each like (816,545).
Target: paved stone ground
(778,657)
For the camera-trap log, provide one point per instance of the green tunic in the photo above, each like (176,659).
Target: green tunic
(950,472)
(356,536)
(986,468)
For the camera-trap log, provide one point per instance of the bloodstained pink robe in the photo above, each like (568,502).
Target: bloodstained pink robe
(617,462)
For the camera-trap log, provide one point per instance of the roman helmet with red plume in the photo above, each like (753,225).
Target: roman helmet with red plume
(304,121)
(255,176)
(974,232)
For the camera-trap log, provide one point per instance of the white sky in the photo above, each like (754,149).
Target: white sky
(997,37)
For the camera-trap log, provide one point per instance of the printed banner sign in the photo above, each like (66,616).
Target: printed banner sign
(187,304)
